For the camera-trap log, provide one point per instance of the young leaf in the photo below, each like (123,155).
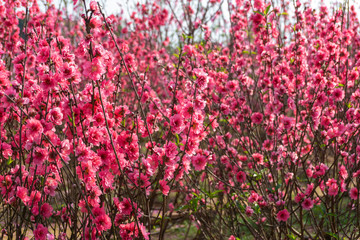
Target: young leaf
(267,9)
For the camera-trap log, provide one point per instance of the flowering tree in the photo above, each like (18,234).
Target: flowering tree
(125,128)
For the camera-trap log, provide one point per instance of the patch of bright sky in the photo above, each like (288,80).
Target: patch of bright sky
(127,7)
(115,6)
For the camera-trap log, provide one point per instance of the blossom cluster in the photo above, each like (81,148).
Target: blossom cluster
(110,128)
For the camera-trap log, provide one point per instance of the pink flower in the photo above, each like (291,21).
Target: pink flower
(241,177)
(176,123)
(199,162)
(94,69)
(55,116)
(33,127)
(40,155)
(103,222)
(307,204)
(309,189)
(43,54)
(171,150)
(47,82)
(164,187)
(258,158)
(288,122)
(342,172)
(95,23)
(249,211)
(354,193)
(94,7)
(68,70)
(201,78)
(299,197)
(257,118)
(283,215)
(231,86)
(46,210)
(125,206)
(338,94)
(22,193)
(268,145)
(333,189)
(254,197)
(40,232)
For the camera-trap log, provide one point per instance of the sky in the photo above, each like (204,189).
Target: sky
(115,6)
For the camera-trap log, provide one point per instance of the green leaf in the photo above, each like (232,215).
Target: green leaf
(42,179)
(257,209)
(267,9)
(333,235)
(182,207)
(291,236)
(195,194)
(177,138)
(10,160)
(259,13)
(194,204)
(283,13)
(185,36)
(71,121)
(215,193)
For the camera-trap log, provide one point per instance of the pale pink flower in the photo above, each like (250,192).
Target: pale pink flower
(94,69)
